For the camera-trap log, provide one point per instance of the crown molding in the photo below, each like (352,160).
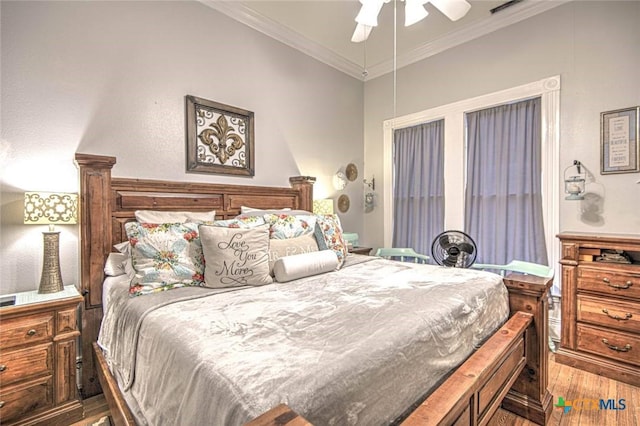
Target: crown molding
(243,14)
(480,28)
(279,32)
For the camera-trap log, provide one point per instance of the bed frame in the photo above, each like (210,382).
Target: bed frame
(508,371)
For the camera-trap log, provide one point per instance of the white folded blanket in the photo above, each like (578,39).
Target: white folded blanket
(302,265)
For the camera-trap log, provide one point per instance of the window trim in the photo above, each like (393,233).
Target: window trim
(453,114)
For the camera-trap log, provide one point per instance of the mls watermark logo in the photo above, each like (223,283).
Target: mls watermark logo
(590,404)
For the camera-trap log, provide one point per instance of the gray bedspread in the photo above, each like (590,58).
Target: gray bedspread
(357,346)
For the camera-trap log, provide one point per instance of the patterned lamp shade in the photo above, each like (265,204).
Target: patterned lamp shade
(324,206)
(50,208)
(47,208)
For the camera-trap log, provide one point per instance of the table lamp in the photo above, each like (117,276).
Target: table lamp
(50,208)
(324,206)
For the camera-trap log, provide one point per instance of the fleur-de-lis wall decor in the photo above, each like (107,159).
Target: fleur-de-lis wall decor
(219,138)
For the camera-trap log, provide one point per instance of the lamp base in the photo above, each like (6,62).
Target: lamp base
(51,279)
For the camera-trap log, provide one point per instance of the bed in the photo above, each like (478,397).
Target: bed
(508,370)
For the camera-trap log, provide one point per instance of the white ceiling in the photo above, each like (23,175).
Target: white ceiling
(323,29)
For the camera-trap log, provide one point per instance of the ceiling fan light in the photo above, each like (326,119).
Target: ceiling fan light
(361,33)
(453,9)
(414,12)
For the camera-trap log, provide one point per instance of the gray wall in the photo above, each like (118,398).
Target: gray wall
(110,78)
(595,48)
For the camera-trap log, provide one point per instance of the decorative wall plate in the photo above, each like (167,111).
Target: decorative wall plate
(343,203)
(352,172)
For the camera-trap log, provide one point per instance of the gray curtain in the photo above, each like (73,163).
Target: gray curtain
(503,199)
(418,193)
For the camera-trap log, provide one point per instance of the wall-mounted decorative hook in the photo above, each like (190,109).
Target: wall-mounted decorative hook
(371,184)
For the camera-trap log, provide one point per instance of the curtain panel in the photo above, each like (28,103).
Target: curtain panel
(418,176)
(503,196)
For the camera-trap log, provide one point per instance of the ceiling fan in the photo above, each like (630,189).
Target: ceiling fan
(414,11)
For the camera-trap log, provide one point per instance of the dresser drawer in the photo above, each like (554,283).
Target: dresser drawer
(26,330)
(609,313)
(606,281)
(616,345)
(26,399)
(26,363)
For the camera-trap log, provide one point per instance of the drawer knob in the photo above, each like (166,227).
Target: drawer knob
(2,367)
(1,404)
(627,316)
(618,286)
(31,332)
(626,347)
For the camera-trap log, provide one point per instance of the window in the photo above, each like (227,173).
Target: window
(548,90)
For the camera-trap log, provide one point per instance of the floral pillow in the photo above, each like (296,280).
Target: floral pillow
(284,226)
(165,256)
(328,233)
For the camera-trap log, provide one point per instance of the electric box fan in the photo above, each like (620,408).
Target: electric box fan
(454,248)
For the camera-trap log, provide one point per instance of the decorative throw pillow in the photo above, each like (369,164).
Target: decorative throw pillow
(159,216)
(304,265)
(235,256)
(291,246)
(165,256)
(285,226)
(328,233)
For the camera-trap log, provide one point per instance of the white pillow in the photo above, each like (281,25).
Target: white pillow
(304,265)
(114,266)
(125,249)
(245,209)
(158,216)
(235,256)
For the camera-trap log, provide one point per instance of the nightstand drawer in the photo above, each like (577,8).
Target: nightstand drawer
(26,330)
(26,399)
(609,282)
(23,364)
(615,345)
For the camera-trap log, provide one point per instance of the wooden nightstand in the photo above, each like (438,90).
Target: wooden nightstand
(360,250)
(38,360)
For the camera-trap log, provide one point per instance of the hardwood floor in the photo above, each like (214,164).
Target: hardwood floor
(572,384)
(576,386)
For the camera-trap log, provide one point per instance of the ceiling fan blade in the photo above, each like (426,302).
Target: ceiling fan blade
(414,12)
(453,9)
(361,33)
(369,11)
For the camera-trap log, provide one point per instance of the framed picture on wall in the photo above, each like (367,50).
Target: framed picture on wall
(219,138)
(619,151)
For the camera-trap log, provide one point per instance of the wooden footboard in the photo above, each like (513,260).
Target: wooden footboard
(509,370)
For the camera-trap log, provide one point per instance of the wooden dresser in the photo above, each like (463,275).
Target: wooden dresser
(38,359)
(600,306)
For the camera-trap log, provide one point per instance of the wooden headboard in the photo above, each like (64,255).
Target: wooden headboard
(107,203)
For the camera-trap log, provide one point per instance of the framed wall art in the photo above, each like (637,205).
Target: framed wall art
(220,138)
(619,151)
